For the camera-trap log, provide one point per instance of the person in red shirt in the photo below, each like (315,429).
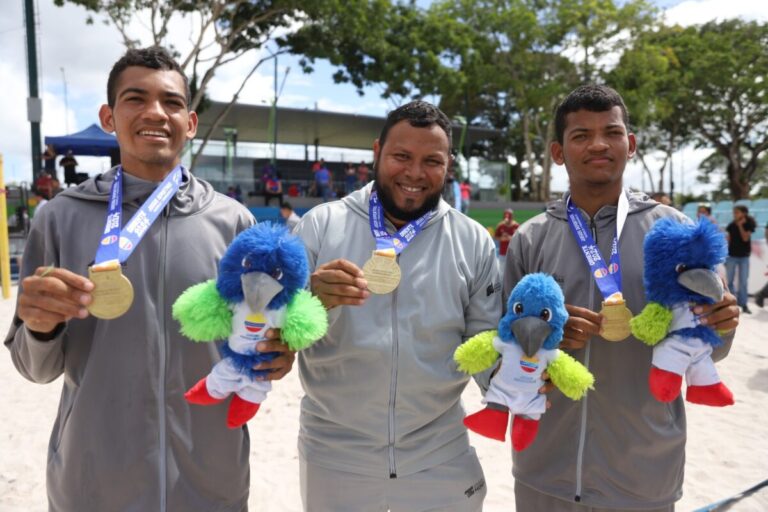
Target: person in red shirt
(504,231)
(466,194)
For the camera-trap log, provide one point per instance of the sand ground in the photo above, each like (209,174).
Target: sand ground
(727,448)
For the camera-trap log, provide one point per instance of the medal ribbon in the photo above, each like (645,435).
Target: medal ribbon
(607,277)
(400,240)
(117,244)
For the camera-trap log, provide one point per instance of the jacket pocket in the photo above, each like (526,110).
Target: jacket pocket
(65,410)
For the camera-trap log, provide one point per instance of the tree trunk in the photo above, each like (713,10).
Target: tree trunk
(529,157)
(739,189)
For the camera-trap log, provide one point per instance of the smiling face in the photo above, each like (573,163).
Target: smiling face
(595,149)
(150,119)
(411,167)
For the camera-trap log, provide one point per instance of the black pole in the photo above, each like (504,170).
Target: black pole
(34,105)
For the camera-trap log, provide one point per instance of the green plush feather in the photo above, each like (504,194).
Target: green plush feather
(477,353)
(652,324)
(202,313)
(570,376)
(306,321)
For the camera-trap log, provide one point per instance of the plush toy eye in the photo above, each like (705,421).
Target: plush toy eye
(545,314)
(246,263)
(517,307)
(277,274)
(680,268)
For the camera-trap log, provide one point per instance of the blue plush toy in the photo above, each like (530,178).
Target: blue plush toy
(680,260)
(260,286)
(528,336)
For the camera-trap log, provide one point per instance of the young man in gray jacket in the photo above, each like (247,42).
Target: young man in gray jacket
(125,438)
(618,448)
(406,279)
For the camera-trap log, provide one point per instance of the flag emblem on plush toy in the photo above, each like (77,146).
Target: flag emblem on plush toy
(529,365)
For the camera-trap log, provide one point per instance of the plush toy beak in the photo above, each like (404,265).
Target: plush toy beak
(530,332)
(259,289)
(702,281)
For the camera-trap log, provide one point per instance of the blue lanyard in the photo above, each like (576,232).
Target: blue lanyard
(117,244)
(400,240)
(607,277)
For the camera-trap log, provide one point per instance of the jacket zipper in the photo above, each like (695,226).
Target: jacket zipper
(393,384)
(583,422)
(163,357)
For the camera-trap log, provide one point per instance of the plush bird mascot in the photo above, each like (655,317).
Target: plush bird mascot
(680,260)
(527,340)
(260,286)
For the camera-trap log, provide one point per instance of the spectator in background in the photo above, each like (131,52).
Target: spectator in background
(362,174)
(451,191)
(466,194)
(273,188)
(290,216)
(70,168)
(49,160)
(350,179)
(44,185)
(705,210)
(763,294)
(739,232)
(504,231)
(323,182)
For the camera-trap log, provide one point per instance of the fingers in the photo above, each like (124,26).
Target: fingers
(582,324)
(722,316)
(339,282)
(282,364)
(52,296)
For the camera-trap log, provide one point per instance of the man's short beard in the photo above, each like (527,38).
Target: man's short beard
(430,203)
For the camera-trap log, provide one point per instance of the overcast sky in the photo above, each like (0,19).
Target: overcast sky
(81,54)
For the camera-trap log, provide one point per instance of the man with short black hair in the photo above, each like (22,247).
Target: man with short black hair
(618,448)
(125,439)
(406,279)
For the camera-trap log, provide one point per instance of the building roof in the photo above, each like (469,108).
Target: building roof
(310,127)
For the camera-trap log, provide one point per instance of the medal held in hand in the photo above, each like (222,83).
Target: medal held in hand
(616,314)
(616,317)
(382,271)
(113,292)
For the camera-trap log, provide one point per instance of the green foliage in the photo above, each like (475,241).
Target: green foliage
(202,313)
(570,376)
(652,324)
(477,353)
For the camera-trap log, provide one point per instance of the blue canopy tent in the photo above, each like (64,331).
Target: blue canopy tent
(93,141)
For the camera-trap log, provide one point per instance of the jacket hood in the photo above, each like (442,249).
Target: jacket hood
(357,201)
(638,202)
(193,194)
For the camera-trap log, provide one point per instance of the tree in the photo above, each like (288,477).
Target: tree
(224,31)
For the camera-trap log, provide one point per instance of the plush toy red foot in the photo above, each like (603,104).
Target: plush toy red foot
(240,411)
(523,432)
(198,394)
(665,386)
(489,422)
(717,395)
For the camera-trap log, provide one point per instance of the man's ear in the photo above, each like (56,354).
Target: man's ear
(192,125)
(376,150)
(556,150)
(632,145)
(107,119)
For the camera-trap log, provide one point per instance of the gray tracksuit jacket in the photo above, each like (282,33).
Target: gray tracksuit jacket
(382,390)
(618,447)
(124,438)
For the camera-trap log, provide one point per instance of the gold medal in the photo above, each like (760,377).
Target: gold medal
(112,293)
(616,317)
(382,273)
